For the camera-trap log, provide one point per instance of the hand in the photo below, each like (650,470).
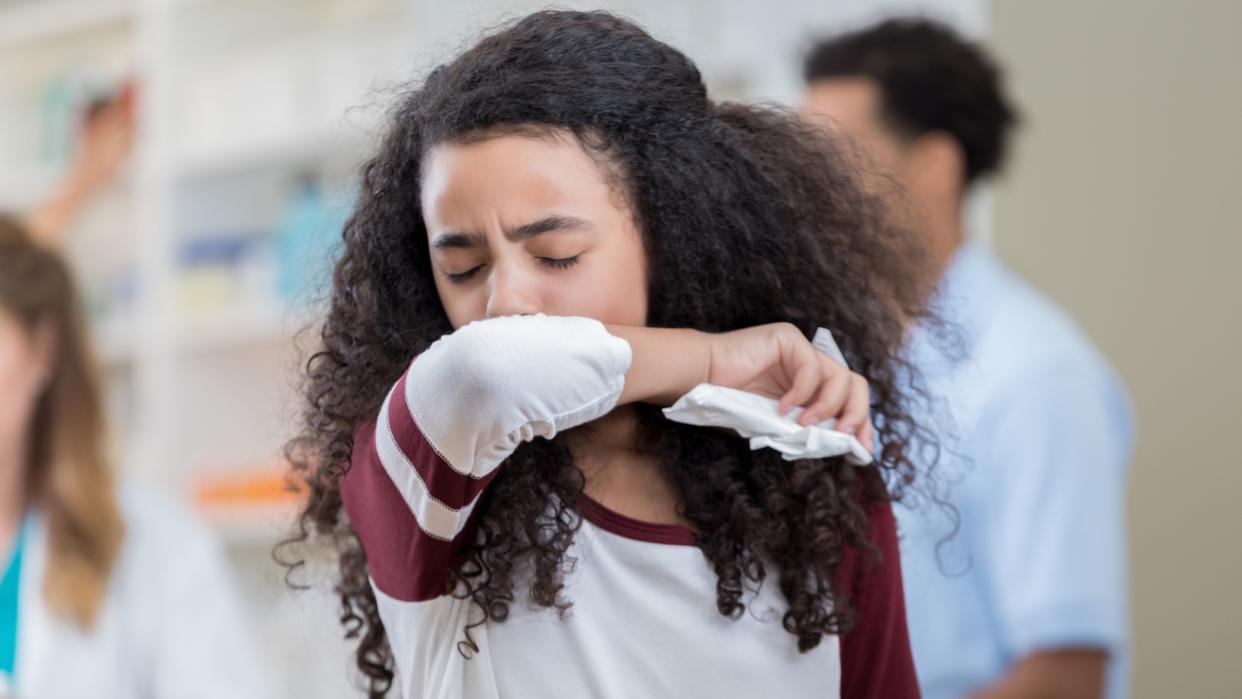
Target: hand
(777,361)
(107,137)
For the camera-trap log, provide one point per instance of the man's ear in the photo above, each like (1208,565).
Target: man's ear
(936,164)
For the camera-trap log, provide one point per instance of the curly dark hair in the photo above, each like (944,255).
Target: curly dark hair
(931,79)
(747,217)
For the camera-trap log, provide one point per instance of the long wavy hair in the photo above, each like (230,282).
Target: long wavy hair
(68,474)
(747,217)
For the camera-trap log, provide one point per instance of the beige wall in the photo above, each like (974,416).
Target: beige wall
(1124,202)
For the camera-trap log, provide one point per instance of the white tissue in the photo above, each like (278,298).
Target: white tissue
(755,417)
(826,343)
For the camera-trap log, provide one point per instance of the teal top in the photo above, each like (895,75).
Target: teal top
(10,586)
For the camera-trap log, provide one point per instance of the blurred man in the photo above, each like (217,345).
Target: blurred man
(1027,597)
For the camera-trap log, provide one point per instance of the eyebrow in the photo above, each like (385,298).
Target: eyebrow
(551,224)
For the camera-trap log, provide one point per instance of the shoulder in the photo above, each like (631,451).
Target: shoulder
(876,659)
(1027,318)
(1021,343)
(161,534)
(857,564)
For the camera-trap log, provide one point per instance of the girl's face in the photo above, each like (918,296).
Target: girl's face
(520,224)
(24,366)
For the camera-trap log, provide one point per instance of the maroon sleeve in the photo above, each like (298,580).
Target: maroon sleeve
(405,559)
(876,662)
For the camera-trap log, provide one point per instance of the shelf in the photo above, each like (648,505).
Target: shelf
(202,332)
(114,340)
(287,153)
(251,525)
(198,333)
(38,20)
(250,506)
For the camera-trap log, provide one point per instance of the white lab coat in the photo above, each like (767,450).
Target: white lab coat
(171,625)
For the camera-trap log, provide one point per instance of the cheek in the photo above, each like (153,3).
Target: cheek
(632,280)
(461,304)
(611,288)
(17,384)
(628,294)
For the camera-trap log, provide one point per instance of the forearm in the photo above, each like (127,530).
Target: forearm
(666,363)
(49,220)
(106,141)
(1052,674)
(461,408)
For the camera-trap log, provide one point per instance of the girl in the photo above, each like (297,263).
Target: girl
(559,235)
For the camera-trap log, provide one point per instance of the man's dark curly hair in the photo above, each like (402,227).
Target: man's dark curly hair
(931,79)
(747,217)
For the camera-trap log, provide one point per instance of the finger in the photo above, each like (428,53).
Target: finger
(794,353)
(832,393)
(857,409)
(805,382)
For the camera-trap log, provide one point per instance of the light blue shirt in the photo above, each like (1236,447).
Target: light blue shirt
(1036,433)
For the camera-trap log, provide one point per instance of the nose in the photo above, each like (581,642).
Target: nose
(511,292)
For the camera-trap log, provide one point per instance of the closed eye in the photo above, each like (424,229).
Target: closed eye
(460,277)
(560,262)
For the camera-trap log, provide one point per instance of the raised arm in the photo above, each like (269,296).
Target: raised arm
(474,396)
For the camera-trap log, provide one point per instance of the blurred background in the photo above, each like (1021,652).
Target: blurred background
(204,260)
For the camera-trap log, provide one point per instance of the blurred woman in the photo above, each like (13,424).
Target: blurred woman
(105,590)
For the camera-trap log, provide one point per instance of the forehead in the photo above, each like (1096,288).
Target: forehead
(531,171)
(853,103)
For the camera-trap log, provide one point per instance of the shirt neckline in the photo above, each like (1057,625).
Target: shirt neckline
(612,521)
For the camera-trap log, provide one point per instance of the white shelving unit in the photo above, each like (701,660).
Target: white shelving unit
(28,22)
(202,389)
(238,99)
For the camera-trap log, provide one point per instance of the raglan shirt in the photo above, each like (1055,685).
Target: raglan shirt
(644,621)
